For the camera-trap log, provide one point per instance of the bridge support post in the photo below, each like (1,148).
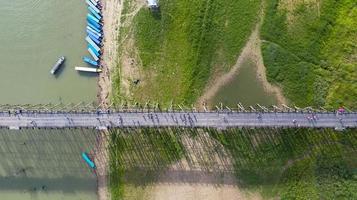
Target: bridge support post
(241,107)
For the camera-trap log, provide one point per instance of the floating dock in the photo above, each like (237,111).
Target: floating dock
(58,64)
(88,69)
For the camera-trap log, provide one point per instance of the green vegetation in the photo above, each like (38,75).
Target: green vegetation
(294,163)
(310,50)
(137,156)
(180,46)
(290,163)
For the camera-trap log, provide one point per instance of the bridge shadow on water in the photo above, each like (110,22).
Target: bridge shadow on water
(50,160)
(232,157)
(46,160)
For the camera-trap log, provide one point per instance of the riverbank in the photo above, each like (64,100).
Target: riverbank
(111,17)
(168,56)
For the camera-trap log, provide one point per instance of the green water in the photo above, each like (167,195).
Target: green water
(44,164)
(34,34)
(245,88)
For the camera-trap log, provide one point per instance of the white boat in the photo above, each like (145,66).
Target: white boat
(88,69)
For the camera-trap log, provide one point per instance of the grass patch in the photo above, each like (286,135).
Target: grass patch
(289,163)
(181,44)
(139,155)
(293,163)
(316,40)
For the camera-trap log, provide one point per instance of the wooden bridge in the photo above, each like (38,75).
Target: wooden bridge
(219,119)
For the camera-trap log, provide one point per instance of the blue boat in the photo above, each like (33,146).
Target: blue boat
(90,41)
(94,13)
(88,160)
(95,24)
(90,61)
(90,4)
(98,30)
(93,31)
(92,53)
(94,35)
(91,17)
(98,42)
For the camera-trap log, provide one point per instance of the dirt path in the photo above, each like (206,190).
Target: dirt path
(111,17)
(252,51)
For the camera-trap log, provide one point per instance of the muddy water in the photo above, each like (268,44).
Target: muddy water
(245,88)
(46,164)
(34,34)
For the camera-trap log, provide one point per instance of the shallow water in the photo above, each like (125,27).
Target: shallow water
(245,88)
(34,34)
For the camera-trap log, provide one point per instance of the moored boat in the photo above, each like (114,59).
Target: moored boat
(98,16)
(88,160)
(57,65)
(88,69)
(98,30)
(90,41)
(90,61)
(97,53)
(93,6)
(92,18)
(95,38)
(91,52)
(93,31)
(95,24)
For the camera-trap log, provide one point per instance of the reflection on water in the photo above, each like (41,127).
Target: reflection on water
(245,88)
(46,164)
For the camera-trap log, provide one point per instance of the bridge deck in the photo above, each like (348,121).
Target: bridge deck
(176,119)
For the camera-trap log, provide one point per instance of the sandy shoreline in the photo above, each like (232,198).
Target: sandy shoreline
(111,17)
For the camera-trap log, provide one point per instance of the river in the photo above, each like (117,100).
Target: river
(34,34)
(44,164)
